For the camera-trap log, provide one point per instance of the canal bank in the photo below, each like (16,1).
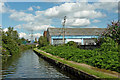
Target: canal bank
(28,65)
(79,70)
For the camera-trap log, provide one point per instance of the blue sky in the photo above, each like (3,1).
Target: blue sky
(38,16)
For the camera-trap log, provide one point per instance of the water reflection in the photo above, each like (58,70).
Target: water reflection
(29,65)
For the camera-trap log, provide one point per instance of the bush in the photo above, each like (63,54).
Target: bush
(109,45)
(43,41)
(112,31)
(106,59)
(72,43)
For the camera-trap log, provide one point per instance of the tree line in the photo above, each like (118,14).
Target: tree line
(10,41)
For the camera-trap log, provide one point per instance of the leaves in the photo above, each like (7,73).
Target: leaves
(101,59)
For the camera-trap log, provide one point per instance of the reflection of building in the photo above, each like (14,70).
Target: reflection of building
(45,34)
(82,36)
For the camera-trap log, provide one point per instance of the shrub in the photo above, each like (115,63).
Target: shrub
(43,41)
(109,45)
(102,58)
(71,43)
(112,31)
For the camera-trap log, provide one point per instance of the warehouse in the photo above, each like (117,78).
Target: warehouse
(82,36)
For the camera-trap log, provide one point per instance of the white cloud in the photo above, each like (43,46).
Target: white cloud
(37,7)
(36,27)
(28,36)
(3,8)
(22,34)
(78,11)
(88,14)
(18,26)
(21,16)
(108,0)
(57,0)
(96,21)
(94,27)
(37,35)
(5,30)
(30,9)
(78,14)
(33,26)
(77,22)
(106,5)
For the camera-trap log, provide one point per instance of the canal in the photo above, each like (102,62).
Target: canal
(29,65)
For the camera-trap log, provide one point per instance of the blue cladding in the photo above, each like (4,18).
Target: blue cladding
(73,37)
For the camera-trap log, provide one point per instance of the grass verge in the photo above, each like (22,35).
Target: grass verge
(90,71)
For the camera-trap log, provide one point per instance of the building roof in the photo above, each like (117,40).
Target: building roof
(75,31)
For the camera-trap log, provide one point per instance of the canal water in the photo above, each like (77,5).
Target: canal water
(30,65)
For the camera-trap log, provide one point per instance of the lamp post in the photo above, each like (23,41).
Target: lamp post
(64,30)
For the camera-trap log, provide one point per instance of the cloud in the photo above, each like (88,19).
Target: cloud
(30,9)
(94,27)
(22,34)
(18,26)
(77,22)
(33,26)
(108,0)
(5,30)
(22,16)
(88,14)
(37,7)
(3,8)
(56,0)
(106,5)
(36,27)
(78,11)
(96,21)
(37,35)
(28,36)
(78,14)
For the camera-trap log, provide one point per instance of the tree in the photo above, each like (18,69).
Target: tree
(112,31)
(43,41)
(12,33)
(10,41)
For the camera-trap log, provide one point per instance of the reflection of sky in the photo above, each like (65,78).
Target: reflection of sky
(29,65)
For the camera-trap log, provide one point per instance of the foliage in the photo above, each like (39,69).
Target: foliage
(109,45)
(25,47)
(101,59)
(72,43)
(106,57)
(112,31)
(35,42)
(0,41)
(43,41)
(11,43)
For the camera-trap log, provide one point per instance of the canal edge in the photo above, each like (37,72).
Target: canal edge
(72,70)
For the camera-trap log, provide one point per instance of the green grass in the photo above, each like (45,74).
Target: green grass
(98,57)
(81,68)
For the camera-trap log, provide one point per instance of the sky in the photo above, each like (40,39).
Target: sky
(38,16)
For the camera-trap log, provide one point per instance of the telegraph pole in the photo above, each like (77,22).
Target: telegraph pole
(64,30)
(31,36)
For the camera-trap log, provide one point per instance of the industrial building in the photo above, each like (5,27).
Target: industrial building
(82,36)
